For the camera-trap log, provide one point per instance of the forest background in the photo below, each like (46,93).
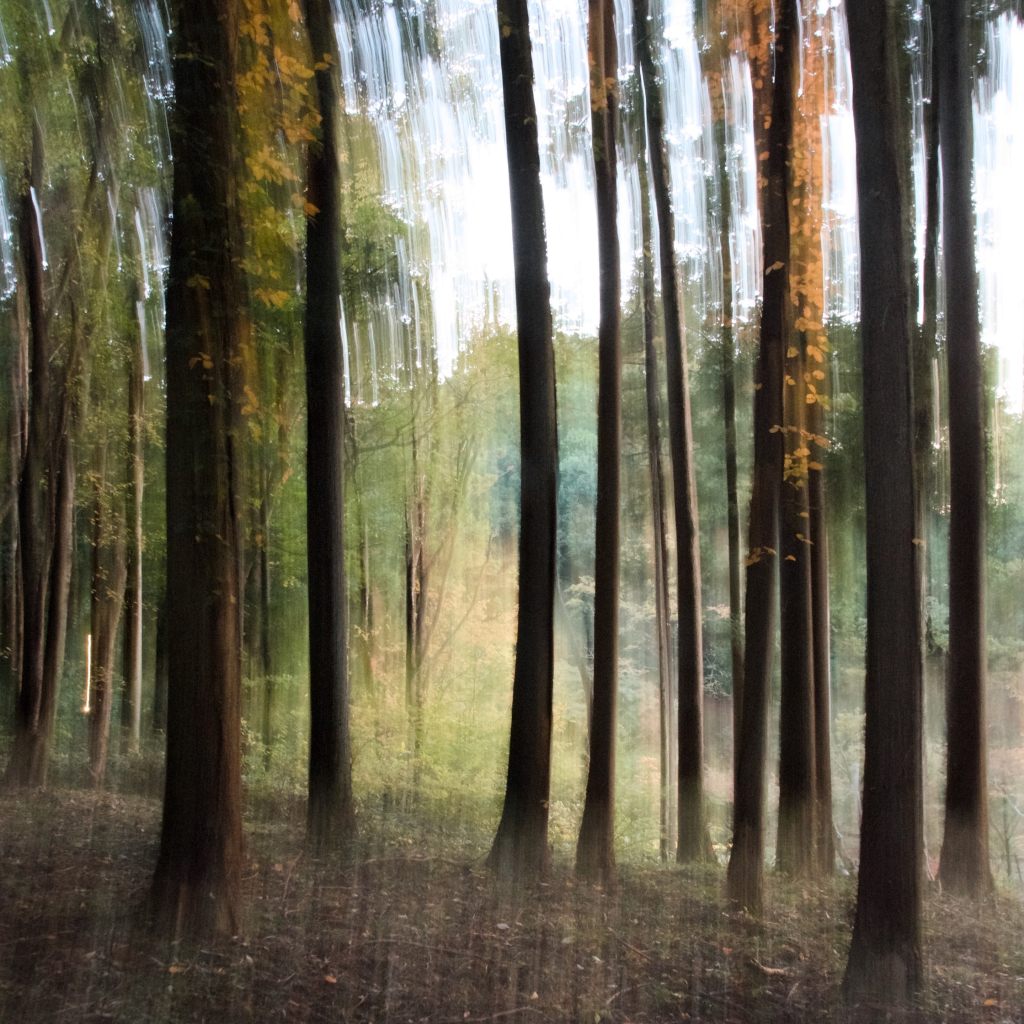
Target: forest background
(431,429)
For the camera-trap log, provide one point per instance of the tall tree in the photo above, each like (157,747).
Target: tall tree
(520,845)
(35,498)
(716,57)
(196,884)
(964,863)
(109,575)
(694,838)
(746,864)
(885,955)
(662,608)
(131,701)
(331,817)
(595,851)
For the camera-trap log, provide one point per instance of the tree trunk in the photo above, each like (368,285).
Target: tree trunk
(331,818)
(821,622)
(131,700)
(595,851)
(885,954)
(520,847)
(109,577)
(694,837)
(267,716)
(35,503)
(662,608)
(160,670)
(795,849)
(964,862)
(746,864)
(196,883)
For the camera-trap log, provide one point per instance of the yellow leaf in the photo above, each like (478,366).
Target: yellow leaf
(792,351)
(790,558)
(198,281)
(991,1002)
(818,375)
(175,969)
(293,11)
(919,542)
(330,979)
(816,466)
(309,209)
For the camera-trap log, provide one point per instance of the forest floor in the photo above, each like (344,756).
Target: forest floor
(412,939)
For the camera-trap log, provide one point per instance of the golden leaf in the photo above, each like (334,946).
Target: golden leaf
(198,281)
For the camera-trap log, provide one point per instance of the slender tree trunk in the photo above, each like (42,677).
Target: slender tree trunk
(694,837)
(35,502)
(63,541)
(269,694)
(885,954)
(746,864)
(196,883)
(729,414)
(795,849)
(662,609)
(595,851)
(821,621)
(131,701)
(964,861)
(109,578)
(331,818)
(160,679)
(520,847)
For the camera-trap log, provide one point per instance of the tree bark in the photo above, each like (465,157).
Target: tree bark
(35,502)
(520,849)
(694,838)
(131,700)
(964,861)
(746,864)
(885,954)
(196,884)
(595,851)
(662,608)
(109,577)
(331,816)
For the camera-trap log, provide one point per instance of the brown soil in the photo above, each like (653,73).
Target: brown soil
(405,937)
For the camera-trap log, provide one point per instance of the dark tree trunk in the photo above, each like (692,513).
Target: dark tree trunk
(662,608)
(963,863)
(131,700)
(595,851)
(795,850)
(331,817)
(520,847)
(196,884)
(694,837)
(160,670)
(109,576)
(263,623)
(35,504)
(746,864)
(821,620)
(729,415)
(63,540)
(885,954)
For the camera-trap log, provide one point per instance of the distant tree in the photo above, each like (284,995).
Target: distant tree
(964,861)
(885,954)
(694,838)
(520,847)
(595,852)
(331,816)
(746,863)
(195,888)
